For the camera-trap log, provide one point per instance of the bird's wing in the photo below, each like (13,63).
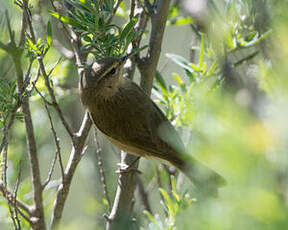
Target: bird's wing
(151,133)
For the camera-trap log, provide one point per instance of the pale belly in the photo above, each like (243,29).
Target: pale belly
(126,148)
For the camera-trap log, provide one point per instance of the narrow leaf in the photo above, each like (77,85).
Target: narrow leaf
(251,36)
(152,219)
(49,34)
(161,82)
(128,28)
(66,19)
(33,47)
(180,61)
(202,47)
(169,201)
(182,21)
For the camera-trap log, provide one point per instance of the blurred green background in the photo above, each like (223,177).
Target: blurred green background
(222,82)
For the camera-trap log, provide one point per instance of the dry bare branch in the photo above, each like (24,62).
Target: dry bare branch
(75,157)
(121,211)
(101,169)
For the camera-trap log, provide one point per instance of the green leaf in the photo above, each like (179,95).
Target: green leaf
(161,82)
(66,19)
(179,81)
(152,219)
(174,189)
(137,50)
(130,37)
(128,28)
(173,12)
(180,61)
(230,41)
(212,69)
(32,46)
(83,6)
(49,34)
(251,36)
(121,11)
(171,207)
(202,47)
(182,21)
(195,67)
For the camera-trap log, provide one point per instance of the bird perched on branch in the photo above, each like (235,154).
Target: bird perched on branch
(127,116)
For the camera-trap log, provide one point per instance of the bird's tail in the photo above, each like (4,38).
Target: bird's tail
(205,179)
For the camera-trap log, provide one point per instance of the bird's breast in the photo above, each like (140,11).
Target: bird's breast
(111,116)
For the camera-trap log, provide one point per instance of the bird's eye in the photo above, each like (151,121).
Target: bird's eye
(112,71)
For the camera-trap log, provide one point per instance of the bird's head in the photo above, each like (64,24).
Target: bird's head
(101,78)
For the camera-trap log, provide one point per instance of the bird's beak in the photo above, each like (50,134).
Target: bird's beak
(123,59)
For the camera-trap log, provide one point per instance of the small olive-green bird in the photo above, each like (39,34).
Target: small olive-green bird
(127,116)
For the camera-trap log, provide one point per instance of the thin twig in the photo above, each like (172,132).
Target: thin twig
(15,196)
(247,58)
(9,196)
(68,35)
(24,215)
(149,6)
(11,33)
(51,170)
(23,30)
(101,169)
(12,216)
(75,157)
(54,66)
(132,9)
(46,76)
(56,139)
(4,164)
(53,98)
(115,8)
(75,42)
(57,142)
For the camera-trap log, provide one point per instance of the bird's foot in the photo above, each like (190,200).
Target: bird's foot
(124,168)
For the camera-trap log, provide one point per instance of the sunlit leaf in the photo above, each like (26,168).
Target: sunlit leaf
(66,19)
(32,46)
(202,47)
(161,82)
(170,204)
(49,34)
(251,36)
(182,21)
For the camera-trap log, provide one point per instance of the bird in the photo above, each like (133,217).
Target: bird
(129,119)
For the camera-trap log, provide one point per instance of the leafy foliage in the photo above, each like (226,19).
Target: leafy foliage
(241,134)
(100,38)
(172,204)
(8,101)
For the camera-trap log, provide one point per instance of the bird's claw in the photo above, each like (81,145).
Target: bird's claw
(124,168)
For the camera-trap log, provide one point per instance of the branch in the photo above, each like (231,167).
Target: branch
(43,71)
(120,215)
(115,8)
(122,208)
(75,42)
(16,217)
(101,169)
(148,65)
(56,139)
(9,196)
(75,157)
(38,212)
